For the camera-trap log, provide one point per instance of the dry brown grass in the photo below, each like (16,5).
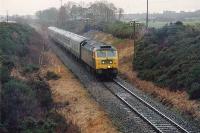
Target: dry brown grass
(177,100)
(82,111)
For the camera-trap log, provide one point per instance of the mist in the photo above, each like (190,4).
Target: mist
(24,7)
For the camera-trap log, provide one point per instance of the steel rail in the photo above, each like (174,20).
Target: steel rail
(151,107)
(134,109)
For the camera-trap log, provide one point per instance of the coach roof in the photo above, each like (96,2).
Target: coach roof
(68,34)
(97,45)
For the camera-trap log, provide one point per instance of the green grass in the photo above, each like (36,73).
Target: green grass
(160,24)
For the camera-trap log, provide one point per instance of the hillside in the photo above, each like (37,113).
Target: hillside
(23,108)
(170,58)
(38,93)
(176,100)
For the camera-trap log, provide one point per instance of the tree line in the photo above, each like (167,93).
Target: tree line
(95,13)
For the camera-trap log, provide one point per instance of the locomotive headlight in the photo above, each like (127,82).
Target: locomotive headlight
(111,62)
(103,62)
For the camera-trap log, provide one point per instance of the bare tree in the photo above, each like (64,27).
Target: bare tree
(103,11)
(62,18)
(121,11)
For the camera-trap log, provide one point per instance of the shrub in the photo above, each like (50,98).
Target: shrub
(170,57)
(194,92)
(18,100)
(52,75)
(31,125)
(59,120)
(43,93)
(4,74)
(120,29)
(14,39)
(7,62)
(30,68)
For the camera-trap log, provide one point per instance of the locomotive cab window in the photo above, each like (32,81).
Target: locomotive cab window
(106,53)
(101,53)
(111,53)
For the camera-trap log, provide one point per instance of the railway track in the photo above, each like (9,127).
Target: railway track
(156,119)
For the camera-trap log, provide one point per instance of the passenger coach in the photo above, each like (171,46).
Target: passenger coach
(101,58)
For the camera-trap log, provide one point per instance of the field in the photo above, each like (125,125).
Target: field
(160,24)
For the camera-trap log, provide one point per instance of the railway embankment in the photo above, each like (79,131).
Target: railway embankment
(74,102)
(177,101)
(26,100)
(37,93)
(122,116)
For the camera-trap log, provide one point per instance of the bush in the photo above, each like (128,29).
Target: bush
(194,92)
(120,29)
(4,74)
(18,100)
(31,125)
(7,62)
(170,57)
(14,39)
(30,68)
(43,93)
(59,120)
(52,75)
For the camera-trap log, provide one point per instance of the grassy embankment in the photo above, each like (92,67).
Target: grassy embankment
(82,111)
(38,93)
(170,57)
(26,99)
(176,99)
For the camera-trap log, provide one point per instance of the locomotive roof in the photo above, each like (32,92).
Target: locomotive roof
(97,45)
(68,34)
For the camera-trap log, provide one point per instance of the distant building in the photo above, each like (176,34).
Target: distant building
(2,18)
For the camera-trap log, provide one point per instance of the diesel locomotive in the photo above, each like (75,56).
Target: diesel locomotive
(99,57)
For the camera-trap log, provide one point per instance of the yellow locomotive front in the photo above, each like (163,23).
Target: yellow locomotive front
(106,60)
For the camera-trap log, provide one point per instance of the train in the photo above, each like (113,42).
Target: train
(101,58)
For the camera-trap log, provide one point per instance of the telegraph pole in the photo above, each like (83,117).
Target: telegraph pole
(147,17)
(60,3)
(7,16)
(60,19)
(134,37)
(134,24)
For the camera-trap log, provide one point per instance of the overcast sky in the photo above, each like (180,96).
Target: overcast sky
(23,7)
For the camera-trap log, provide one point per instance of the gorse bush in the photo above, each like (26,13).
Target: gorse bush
(31,125)
(24,104)
(18,100)
(14,38)
(30,68)
(170,57)
(52,75)
(43,93)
